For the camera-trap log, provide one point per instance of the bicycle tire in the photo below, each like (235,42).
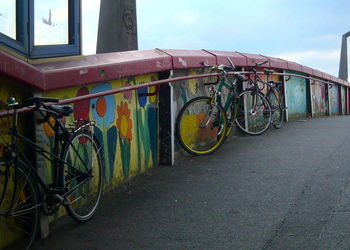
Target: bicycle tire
(276,100)
(19,211)
(253,119)
(195,132)
(83,175)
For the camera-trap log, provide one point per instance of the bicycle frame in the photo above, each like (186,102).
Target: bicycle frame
(61,135)
(230,102)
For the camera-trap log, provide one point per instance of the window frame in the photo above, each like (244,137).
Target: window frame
(19,44)
(24,42)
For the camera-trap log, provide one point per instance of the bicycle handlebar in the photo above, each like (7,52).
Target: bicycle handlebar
(31,101)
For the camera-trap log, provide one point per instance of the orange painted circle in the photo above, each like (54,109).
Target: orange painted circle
(101,106)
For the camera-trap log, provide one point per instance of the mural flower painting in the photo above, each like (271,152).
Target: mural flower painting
(103,112)
(142,98)
(124,125)
(82,108)
(103,107)
(127,94)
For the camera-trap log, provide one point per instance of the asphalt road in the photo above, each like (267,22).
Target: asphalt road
(286,189)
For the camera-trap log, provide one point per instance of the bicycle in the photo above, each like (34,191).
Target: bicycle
(203,123)
(276,99)
(273,95)
(77,174)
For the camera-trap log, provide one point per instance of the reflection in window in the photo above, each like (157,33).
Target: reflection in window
(8,18)
(50,22)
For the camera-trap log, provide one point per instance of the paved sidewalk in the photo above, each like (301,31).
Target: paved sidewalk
(286,189)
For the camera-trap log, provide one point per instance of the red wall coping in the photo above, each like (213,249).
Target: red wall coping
(252,59)
(221,57)
(307,70)
(185,59)
(317,73)
(20,70)
(105,67)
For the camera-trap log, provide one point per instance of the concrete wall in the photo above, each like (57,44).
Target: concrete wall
(129,123)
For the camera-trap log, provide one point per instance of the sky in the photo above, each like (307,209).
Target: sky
(304,31)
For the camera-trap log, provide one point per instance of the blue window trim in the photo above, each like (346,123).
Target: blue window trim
(25,38)
(21,42)
(73,48)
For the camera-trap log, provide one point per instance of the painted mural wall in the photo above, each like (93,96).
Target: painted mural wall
(296,97)
(186,90)
(126,126)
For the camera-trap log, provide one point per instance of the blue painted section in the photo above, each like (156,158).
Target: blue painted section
(296,93)
(334,97)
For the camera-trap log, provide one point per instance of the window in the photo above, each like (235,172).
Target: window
(53,30)
(50,22)
(8,18)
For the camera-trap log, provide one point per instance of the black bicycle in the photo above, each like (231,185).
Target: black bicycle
(77,174)
(272,93)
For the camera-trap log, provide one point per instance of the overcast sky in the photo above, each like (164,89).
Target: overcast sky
(305,31)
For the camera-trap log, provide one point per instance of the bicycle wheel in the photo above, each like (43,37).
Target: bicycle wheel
(19,210)
(201,126)
(276,100)
(254,113)
(83,175)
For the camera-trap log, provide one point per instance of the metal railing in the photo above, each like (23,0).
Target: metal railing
(157,83)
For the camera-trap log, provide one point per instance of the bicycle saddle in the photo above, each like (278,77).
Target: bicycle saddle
(61,110)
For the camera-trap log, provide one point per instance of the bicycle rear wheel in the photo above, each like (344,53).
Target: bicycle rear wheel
(19,210)
(83,175)
(254,113)
(276,100)
(201,126)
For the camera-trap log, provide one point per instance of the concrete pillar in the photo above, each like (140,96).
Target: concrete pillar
(117,29)
(343,65)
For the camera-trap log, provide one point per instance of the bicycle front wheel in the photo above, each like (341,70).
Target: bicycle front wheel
(254,113)
(201,126)
(19,210)
(83,175)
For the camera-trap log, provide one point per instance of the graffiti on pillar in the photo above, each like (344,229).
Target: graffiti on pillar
(343,99)
(334,96)
(318,94)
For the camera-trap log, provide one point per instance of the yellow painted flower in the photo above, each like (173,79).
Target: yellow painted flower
(124,123)
(189,126)
(153,98)
(48,129)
